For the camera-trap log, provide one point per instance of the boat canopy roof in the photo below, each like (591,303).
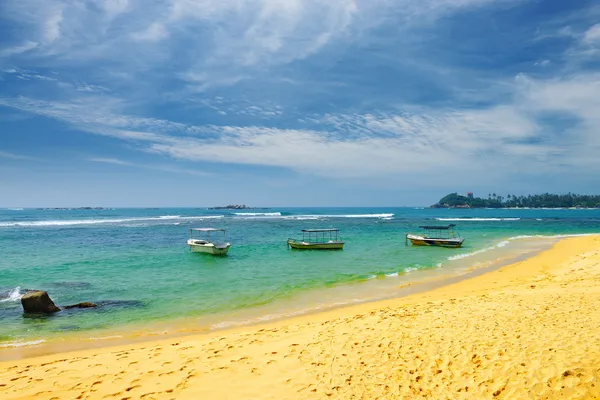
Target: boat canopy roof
(321,230)
(206,229)
(438,227)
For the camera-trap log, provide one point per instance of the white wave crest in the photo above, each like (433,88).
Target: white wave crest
(360,216)
(13,295)
(302,217)
(382,216)
(271,214)
(465,255)
(558,236)
(478,219)
(75,222)
(21,344)
(506,242)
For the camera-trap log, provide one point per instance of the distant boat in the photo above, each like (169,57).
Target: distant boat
(317,239)
(441,236)
(206,245)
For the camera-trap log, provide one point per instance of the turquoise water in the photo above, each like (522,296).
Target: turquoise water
(135,263)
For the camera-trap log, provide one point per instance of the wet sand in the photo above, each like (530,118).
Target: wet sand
(528,330)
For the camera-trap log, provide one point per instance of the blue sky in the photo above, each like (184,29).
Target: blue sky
(295,102)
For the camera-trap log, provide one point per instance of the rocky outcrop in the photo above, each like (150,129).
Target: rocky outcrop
(85,304)
(37,302)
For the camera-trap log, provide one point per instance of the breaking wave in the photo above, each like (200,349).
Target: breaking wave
(514,238)
(250,214)
(465,255)
(478,219)
(75,222)
(21,344)
(12,295)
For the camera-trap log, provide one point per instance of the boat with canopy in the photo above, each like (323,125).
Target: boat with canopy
(206,244)
(441,236)
(317,239)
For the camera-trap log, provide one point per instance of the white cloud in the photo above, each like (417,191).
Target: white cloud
(155,32)
(373,145)
(84,87)
(22,48)
(217,43)
(115,7)
(577,97)
(228,42)
(592,35)
(12,156)
(542,63)
(109,161)
(52,26)
(163,168)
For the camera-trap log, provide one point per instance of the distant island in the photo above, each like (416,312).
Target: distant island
(546,200)
(236,207)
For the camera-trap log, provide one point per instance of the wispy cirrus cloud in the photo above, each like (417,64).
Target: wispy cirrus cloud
(163,168)
(215,43)
(12,156)
(380,144)
(104,160)
(18,48)
(351,89)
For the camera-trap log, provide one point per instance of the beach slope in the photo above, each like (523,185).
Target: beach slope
(528,330)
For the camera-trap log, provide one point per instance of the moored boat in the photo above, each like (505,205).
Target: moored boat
(317,239)
(440,236)
(206,245)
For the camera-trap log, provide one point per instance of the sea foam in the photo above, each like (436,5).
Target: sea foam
(506,242)
(478,219)
(21,344)
(13,295)
(75,222)
(251,214)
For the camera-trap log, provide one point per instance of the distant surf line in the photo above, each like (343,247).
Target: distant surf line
(162,218)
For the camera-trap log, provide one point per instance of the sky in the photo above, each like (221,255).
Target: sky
(296,102)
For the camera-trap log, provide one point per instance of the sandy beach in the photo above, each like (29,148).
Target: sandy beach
(528,330)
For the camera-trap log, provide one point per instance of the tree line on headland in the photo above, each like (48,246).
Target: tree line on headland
(546,200)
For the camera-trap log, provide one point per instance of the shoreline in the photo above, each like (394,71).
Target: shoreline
(426,280)
(528,329)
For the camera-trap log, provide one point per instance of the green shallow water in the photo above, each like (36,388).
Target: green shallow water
(135,264)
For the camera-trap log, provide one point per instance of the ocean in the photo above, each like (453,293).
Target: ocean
(134,263)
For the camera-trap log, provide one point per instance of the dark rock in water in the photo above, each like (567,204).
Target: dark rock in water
(85,304)
(38,302)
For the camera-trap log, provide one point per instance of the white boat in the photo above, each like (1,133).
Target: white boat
(206,245)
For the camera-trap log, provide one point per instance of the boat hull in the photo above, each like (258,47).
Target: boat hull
(315,246)
(209,248)
(438,242)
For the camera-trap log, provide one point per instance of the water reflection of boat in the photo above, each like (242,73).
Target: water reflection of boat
(318,239)
(441,236)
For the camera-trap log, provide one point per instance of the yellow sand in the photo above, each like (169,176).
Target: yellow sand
(530,330)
